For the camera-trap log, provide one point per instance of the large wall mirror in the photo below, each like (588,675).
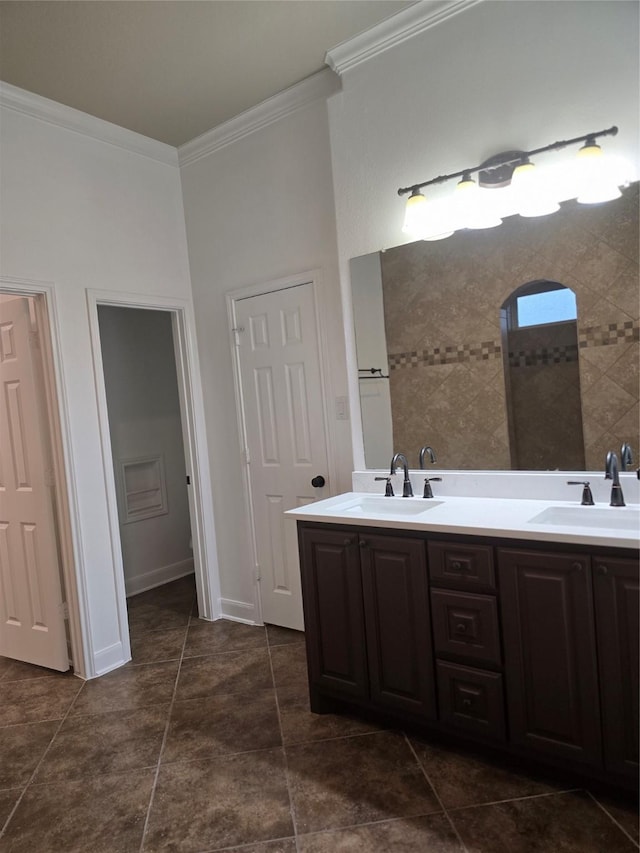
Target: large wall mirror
(510,348)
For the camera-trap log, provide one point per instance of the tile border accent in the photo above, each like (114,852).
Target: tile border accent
(626,331)
(451,354)
(544,355)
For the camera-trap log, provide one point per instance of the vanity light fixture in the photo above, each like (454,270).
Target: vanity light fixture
(473,204)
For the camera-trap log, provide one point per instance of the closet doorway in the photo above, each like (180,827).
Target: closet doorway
(147,449)
(155,458)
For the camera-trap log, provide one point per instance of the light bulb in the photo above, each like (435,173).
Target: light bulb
(530,191)
(597,181)
(475,205)
(426,220)
(416,214)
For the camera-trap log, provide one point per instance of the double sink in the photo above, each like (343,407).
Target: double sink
(414,509)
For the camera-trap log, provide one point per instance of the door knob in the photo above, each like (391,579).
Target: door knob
(318,482)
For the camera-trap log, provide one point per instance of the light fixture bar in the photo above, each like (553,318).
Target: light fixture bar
(555,146)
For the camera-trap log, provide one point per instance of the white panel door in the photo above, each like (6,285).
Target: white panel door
(31,607)
(284,422)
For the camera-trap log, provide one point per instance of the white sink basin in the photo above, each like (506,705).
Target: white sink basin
(381,507)
(613,518)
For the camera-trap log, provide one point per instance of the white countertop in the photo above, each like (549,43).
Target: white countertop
(484,516)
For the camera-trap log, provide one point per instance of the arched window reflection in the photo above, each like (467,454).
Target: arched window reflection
(542,378)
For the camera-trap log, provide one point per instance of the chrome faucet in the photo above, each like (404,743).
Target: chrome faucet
(407,491)
(430,451)
(611,473)
(626,456)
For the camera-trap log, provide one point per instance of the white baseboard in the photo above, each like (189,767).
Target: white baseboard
(107,659)
(157,577)
(238,611)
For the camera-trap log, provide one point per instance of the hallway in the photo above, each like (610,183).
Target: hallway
(205,743)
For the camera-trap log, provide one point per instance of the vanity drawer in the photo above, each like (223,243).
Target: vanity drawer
(465,625)
(471,700)
(466,566)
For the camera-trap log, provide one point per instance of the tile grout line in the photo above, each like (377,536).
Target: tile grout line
(611,817)
(516,799)
(166,731)
(238,848)
(435,792)
(42,758)
(284,749)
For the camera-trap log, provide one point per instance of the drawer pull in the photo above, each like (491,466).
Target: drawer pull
(467,703)
(456,565)
(461,628)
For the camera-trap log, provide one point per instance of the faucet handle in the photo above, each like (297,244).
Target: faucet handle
(587,497)
(388,492)
(428,491)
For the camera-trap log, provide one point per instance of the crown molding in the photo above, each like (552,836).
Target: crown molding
(320,85)
(393,31)
(44,109)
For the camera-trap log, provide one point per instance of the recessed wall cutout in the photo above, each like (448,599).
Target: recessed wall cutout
(144,488)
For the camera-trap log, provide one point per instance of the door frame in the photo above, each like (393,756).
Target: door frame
(314,278)
(201,514)
(66,510)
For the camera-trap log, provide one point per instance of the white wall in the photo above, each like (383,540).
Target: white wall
(500,75)
(144,420)
(86,214)
(256,211)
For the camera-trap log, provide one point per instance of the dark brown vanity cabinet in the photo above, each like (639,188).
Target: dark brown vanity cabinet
(617,603)
(367,618)
(550,653)
(528,648)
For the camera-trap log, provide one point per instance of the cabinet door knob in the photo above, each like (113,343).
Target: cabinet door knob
(347,542)
(364,543)
(467,703)
(318,482)
(577,567)
(602,570)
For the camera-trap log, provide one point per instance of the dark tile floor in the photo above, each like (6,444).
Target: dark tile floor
(205,742)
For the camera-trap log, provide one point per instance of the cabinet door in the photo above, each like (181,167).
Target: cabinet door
(394,579)
(333,611)
(617,603)
(550,656)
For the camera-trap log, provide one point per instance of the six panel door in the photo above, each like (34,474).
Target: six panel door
(284,423)
(32,625)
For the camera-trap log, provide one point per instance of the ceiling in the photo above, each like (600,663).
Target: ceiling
(173,69)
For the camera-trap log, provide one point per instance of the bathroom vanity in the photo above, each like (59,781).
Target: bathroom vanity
(524,638)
